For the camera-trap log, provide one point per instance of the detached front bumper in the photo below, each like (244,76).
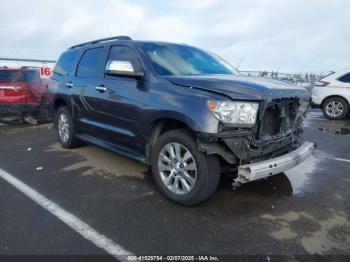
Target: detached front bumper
(259,170)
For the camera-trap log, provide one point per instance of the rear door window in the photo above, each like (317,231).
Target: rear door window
(89,65)
(345,78)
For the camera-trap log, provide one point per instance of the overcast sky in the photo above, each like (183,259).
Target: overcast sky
(284,35)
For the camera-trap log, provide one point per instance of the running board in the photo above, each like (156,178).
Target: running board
(121,150)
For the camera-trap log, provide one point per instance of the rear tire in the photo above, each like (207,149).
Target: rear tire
(335,108)
(194,185)
(65,129)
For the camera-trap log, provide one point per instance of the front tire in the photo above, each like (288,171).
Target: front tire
(335,108)
(65,129)
(181,172)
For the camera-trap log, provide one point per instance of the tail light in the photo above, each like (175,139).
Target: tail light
(321,83)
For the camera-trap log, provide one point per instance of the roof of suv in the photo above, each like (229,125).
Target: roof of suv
(115,39)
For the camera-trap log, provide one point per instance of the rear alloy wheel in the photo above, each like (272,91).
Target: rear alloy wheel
(181,172)
(65,128)
(335,108)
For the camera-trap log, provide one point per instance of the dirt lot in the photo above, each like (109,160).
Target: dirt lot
(305,211)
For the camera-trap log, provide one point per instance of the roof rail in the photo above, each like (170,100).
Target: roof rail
(120,37)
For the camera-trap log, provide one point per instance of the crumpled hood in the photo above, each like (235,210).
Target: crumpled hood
(239,87)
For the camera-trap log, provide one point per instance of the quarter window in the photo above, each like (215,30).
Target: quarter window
(345,78)
(65,64)
(89,63)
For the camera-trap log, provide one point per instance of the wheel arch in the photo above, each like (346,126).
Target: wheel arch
(59,102)
(335,96)
(159,127)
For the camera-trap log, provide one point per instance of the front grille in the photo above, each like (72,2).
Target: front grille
(278,117)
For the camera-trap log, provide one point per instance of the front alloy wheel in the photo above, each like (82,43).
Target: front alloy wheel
(177,168)
(181,171)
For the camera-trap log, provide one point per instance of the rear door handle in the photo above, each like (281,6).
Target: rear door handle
(69,84)
(101,88)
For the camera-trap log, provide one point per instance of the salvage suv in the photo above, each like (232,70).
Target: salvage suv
(181,110)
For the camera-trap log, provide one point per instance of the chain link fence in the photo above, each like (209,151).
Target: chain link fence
(304,80)
(23,92)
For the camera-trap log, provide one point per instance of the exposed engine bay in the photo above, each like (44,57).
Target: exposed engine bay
(278,131)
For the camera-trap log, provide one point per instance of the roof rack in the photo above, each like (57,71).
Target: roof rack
(120,37)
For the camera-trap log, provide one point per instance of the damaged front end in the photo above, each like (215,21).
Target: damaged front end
(277,132)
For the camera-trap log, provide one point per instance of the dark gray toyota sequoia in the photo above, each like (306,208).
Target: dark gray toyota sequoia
(181,110)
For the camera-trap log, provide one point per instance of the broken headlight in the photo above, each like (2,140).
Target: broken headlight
(238,113)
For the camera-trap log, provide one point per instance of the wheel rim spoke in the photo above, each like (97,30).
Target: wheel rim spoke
(185,185)
(164,158)
(189,178)
(177,168)
(163,168)
(187,156)
(168,179)
(177,151)
(190,167)
(171,151)
(175,185)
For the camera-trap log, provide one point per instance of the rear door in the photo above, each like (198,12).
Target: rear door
(88,75)
(61,83)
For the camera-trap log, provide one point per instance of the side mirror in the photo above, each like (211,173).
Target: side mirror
(122,68)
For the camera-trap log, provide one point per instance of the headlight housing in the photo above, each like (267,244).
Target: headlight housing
(238,113)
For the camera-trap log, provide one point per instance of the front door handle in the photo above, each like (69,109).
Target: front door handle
(101,88)
(69,84)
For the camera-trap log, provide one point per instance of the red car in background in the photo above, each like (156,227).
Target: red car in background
(23,93)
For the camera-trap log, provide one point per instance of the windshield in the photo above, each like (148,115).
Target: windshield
(172,59)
